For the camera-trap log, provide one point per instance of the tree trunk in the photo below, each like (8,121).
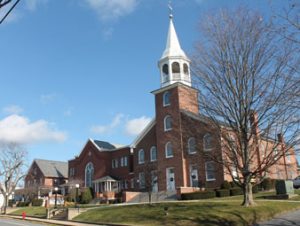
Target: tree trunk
(248,196)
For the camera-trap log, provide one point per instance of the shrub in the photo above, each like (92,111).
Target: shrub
(22,204)
(255,188)
(225,185)
(37,202)
(268,184)
(198,195)
(222,193)
(86,196)
(232,184)
(236,191)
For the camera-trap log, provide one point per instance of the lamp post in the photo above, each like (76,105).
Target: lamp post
(55,204)
(76,199)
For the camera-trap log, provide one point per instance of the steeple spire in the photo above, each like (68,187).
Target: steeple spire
(174,64)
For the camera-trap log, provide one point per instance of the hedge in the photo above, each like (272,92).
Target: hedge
(222,193)
(236,191)
(23,204)
(225,185)
(198,195)
(37,202)
(268,184)
(255,189)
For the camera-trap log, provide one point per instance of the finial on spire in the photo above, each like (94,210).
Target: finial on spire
(170,9)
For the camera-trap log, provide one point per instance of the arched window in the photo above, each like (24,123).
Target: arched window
(89,174)
(175,67)
(185,69)
(165,70)
(168,123)
(191,145)
(153,154)
(166,98)
(207,142)
(141,156)
(169,150)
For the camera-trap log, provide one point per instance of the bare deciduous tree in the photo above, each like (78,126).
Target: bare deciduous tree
(12,162)
(249,81)
(289,21)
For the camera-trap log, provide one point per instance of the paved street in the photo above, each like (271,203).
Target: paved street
(289,219)
(12,222)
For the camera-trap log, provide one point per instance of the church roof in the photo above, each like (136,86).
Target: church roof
(104,145)
(173,48)
(52,168)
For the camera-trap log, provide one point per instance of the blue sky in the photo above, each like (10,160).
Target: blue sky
(77,69)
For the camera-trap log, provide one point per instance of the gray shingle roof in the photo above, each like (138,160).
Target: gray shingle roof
(52,168)
(104,145)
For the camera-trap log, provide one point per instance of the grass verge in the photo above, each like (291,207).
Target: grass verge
(208,213)
(39,212)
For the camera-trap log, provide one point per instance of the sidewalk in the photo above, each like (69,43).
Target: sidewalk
(287,219)
(56,222)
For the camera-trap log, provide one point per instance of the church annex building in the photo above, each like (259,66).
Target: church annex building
(165,156)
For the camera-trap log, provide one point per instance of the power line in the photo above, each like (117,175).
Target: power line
(11,8)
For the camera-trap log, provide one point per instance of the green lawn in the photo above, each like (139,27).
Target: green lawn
(31,212)
(208,213)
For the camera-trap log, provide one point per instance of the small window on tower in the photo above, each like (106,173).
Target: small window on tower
(175,67)
(165,69)
(166,99)
(186,69)
(167,123)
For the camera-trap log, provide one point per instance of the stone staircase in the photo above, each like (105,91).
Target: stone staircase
(59,214)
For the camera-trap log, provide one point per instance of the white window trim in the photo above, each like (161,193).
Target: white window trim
(151,156)
(191,153)
(139,159)
(164,104)
(212,179)
(167,129)
(166,150)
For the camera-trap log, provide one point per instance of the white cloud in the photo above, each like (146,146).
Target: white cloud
(19,129)
(104,129)
(110,10)
(135,126)
(32,5)
(12,109)
(46,98)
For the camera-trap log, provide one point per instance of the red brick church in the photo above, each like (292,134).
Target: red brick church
(167,154)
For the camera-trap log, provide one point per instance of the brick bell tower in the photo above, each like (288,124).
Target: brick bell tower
(175,95)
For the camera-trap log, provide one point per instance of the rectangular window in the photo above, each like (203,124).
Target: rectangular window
(210,171)
(115,163)
(124,161)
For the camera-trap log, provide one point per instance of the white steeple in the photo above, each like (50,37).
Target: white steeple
(174,65)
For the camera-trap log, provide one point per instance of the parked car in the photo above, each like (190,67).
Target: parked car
(296,182)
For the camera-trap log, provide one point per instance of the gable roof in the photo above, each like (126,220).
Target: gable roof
(52,168)
(103,145)
(143,133)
